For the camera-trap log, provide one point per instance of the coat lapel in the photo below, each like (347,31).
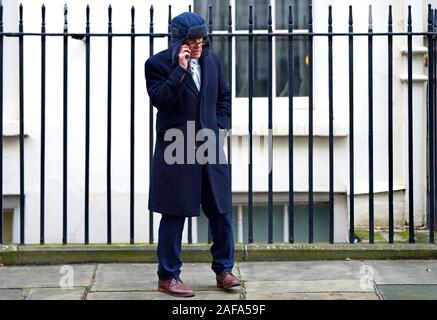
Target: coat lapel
(203,79)
(192,85)
(203,75)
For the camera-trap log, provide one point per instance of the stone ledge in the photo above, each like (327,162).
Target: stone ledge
(145,253)
(379,251)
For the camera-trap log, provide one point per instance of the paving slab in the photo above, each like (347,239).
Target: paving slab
(313,296)
(200,277)
(301,280)
(11,294)
(129,295)
(300,270)
(55,294)
(308,286)
(403,271)
(408,292)
(143,277)
(125,277)
(45,276)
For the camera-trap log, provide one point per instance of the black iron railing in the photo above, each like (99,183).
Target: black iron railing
(251,36)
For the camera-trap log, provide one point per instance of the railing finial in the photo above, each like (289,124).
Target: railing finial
(290,15)
(230,17)
(210,16)
(1,15)
(370,17)
(21,13)
(87,15)
(110,15)
(65,16)
(43,15)
(390,16)
(132,14)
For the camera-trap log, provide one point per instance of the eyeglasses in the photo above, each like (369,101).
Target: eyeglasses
(193,43)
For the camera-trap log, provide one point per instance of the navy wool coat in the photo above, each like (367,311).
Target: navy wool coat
(175,189)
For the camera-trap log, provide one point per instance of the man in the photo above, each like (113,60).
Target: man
(187,86)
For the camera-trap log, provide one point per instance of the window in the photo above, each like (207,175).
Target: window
(300,14)
(300,67)
(202,226)
(7,227)
(219,12)
(321,222)
(260,223)
(300,48)
(219,23)
(280,59)
(260,47)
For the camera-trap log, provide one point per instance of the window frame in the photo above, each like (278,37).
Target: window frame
(299,102)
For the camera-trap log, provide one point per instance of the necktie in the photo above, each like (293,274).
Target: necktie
(194,72)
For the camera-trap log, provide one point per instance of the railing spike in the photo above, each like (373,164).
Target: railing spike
(370,18)
(43,14)
(21,13)
(65,16)
(290,15)
(87,14)
(132,13)
(229,15)
(210,15)
(433,15)
(390,16)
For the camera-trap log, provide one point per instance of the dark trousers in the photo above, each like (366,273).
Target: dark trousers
(170,237)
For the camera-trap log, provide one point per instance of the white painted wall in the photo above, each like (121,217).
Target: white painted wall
(76,120)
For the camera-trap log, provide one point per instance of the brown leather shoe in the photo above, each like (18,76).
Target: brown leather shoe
(175,287)
(227,280)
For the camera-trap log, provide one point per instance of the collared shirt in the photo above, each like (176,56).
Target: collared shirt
(194,67)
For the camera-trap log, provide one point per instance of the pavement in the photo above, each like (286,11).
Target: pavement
(294,280)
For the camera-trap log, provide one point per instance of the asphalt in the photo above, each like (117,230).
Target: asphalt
(293,280)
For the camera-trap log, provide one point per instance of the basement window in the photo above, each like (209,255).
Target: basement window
(7,227)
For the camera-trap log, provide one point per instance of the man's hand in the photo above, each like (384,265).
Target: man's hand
(184,54)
